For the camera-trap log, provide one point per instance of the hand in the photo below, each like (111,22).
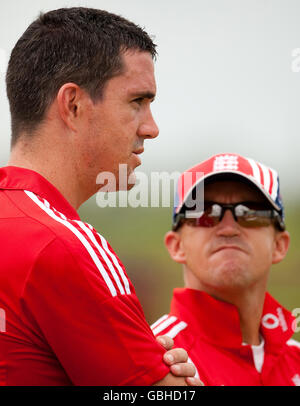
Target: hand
(177,359)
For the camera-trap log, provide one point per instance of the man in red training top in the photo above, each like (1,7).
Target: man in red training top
(234,331)
(79,82)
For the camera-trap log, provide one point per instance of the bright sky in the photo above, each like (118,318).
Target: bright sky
(227,78)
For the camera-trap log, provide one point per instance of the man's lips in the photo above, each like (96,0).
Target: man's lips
(228,246)
(138,152)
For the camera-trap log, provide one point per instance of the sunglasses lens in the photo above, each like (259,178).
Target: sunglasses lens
(253,221)
(210,217)
(249,217)
(207,221)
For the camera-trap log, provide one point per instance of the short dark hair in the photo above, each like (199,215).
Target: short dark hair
(80,45)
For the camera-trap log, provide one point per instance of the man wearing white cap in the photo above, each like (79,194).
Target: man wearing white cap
(233,330)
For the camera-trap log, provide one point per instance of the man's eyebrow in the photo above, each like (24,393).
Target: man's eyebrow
(143,95)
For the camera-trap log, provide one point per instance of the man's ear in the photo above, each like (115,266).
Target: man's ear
(71,102)
(174,246)
(282,242)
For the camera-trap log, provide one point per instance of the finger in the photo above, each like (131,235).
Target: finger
(183,369)
(175,355)
(165,341)
(193,381)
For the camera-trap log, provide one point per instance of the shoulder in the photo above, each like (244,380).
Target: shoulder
(86,259)
(29,215)
(52,244)
(80,244)
(168,325)
(76,249)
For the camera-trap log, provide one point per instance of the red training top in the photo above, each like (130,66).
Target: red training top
(68,313)
(209,330)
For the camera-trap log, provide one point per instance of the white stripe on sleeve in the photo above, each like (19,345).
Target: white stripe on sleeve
(164,325)
(176,329)
(103,255)
(81,238)
(157,322)
(116,263)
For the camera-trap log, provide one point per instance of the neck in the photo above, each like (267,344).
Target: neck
(250,308)
(249,303)
(53,164)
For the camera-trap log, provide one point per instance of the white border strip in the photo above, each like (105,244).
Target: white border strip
(197,373)
(293,343)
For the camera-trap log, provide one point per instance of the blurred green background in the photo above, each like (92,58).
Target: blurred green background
(137,234)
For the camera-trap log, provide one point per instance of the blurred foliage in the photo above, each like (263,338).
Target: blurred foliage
(137,236)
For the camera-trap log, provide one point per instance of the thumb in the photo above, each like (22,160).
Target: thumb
(165,341)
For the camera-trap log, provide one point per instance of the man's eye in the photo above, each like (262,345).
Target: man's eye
(139,100)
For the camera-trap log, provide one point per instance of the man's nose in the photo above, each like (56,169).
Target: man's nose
(228,226)
(148,128)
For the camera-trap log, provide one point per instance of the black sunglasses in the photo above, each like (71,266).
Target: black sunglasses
(246,214)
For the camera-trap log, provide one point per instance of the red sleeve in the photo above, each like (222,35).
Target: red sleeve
(99,339)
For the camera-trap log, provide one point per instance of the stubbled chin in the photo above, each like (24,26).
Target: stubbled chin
(227,262)
(232,273)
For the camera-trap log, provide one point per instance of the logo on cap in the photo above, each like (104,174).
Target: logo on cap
(225,163)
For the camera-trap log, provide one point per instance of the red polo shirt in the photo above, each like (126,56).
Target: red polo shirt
(209,330)
(68,311)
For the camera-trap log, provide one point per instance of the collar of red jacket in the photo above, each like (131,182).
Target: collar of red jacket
(15,178)
(218,322)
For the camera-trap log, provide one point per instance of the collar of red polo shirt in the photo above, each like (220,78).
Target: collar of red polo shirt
(16,178)
(218,322)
